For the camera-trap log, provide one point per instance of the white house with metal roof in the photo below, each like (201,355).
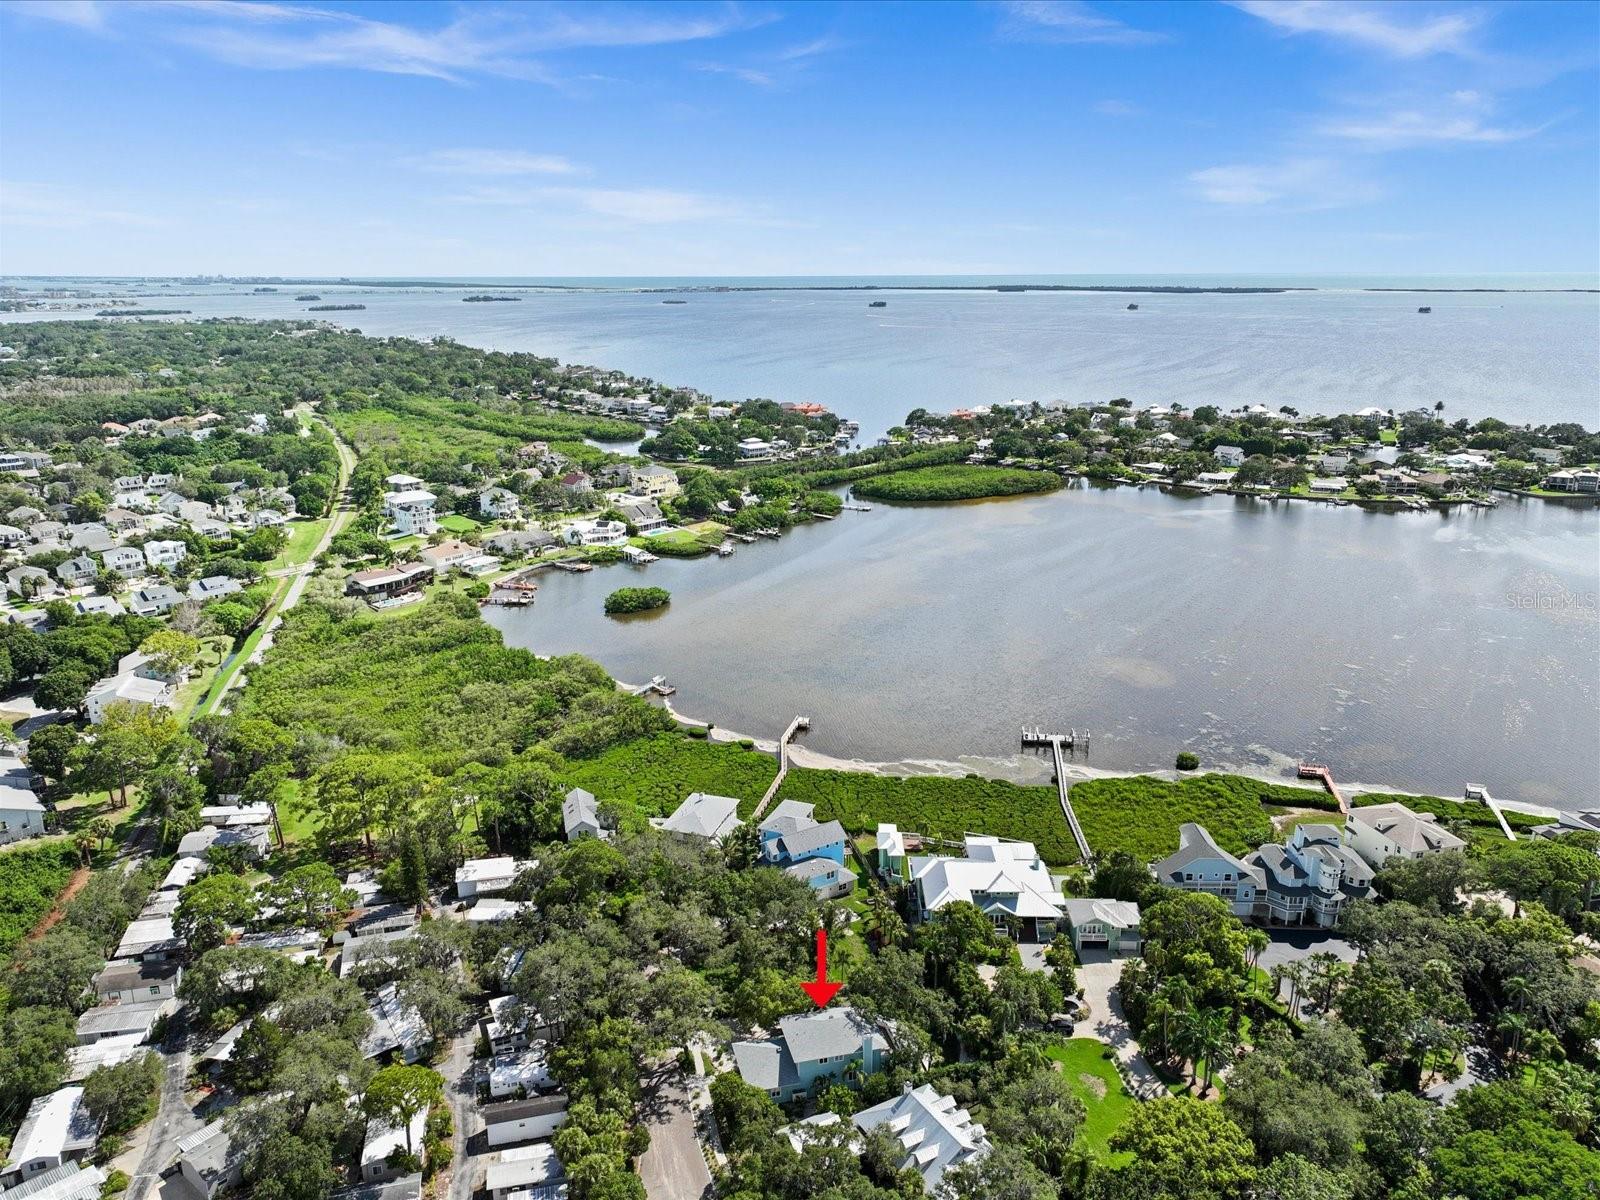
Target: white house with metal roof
(703,816)
(580,816)
(57,1129)
(21,814)
(486,876)
(933,1132)
(1007,880)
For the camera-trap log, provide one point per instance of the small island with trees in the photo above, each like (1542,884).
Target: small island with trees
(335,307)
(956,482)
(633,600)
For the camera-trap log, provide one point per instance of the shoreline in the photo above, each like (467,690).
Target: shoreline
(1020,771)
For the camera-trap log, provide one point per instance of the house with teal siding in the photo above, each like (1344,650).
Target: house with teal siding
(811,1051)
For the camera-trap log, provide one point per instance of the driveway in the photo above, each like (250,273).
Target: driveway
(674,1168)
(1098,976)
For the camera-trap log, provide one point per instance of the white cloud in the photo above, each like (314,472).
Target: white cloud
(1116,108)
(649,206)
(1068,21)
(1401,129)
(1294,183)
(746,74)
(480,41)
(494,162)
(1367,25)
(52,206)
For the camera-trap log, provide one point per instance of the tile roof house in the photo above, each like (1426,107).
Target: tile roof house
(934,1134)
(702,816)
(811,1049)
(1380,832)
(1007,880)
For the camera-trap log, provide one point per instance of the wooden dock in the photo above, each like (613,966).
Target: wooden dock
(1312,770)
(795,726)
(1057,742)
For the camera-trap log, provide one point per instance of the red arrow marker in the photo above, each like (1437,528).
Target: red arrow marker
(821,991)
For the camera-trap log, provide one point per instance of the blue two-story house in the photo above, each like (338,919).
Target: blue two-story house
(812,1050)
(791,834)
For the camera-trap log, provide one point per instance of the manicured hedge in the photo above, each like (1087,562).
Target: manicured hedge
(937,806)
(956,482)
(1142,814)
(656,773)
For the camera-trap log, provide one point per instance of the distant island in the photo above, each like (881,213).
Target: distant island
(309,296)
(142,312)
(490,299)
(335,307)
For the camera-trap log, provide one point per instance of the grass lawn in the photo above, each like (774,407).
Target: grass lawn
(213,652)
(303,539)
(681,543)
(1388,436)
(1094,1079)
(459,523)
(219,685)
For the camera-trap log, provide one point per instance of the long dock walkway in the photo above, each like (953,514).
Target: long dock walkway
(1063,788)
(1310,770)
(1476,791)
(795,726)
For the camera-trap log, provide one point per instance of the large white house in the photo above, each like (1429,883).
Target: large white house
(1384,831)
(595,533)
(1007,880)
(133,690)
(654,482)
(165,553)
(411,510)
(934,1134)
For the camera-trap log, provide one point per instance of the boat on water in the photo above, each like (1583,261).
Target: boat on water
(674,302)
(1425,309)
(878,304)
(725,550)
(1133,308)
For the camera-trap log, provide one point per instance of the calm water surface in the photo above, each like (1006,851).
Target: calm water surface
(1419,650)
(1523,357)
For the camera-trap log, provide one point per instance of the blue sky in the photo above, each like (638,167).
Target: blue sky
(166,136)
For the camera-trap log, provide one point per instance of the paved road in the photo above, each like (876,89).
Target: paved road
(674,1168)
(174,1118)
(461,1091)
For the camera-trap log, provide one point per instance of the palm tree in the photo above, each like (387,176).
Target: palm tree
(1214,1039)
(1438,408)
(100,830)
(1515,1026)
(1517,989)
(83,842)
